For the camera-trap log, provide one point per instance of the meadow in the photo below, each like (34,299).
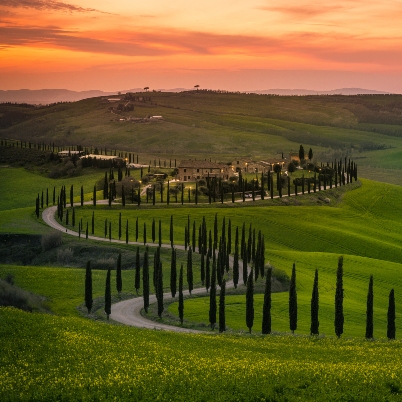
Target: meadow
(70,355)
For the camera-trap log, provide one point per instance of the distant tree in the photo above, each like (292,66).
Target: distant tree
(196,86)
(291,167)
(145,233)
(369,310)
(88,287)
(310,154)
(207,273)
(339,317)
(159,289)
(250,301)
(266,311)
(153,230)
(301,153)
(181,298)
(108,296)
(82,195)
(127,231)
(293,301)
(94,197)
(72,195)
(222,316)
(391,316)
(146,89)
(119,283)
(314,307)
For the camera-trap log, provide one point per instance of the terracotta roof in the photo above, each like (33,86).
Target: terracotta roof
(199,164)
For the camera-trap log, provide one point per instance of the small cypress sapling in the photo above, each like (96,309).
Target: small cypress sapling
(266,311)
(108,296)
(369,310)
(222,315)
(293,301)
(250,301)
(119,283)
(88,287)
(137,270)
(391,316)
(314,327)
(181,298)
(339,317)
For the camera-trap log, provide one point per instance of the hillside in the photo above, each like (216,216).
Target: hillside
(225,125)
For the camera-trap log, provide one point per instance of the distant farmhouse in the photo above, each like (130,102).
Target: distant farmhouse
(68,153)
(190,170)
(251,166)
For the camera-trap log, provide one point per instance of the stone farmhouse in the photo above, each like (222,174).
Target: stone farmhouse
(190,170)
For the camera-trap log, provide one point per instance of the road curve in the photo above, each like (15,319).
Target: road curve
(128,312)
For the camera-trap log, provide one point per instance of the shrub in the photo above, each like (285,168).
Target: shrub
(64,257)
(104,263)
(51,240)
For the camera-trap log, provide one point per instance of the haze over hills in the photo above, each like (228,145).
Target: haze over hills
(46,96)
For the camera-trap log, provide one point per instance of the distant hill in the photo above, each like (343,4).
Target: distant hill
(47,96)
(341,91)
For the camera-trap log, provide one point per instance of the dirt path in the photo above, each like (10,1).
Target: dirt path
(128,312)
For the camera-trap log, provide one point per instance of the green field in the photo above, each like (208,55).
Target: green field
(69,355)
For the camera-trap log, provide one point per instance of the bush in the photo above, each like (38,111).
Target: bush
(279,274)
(104,263)
(51,240)
(64,257)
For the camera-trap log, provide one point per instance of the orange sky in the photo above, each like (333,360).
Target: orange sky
(233,45)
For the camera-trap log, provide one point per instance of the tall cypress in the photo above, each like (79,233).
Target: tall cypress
(250,301)
(212,297)
(314,307)
(266,311)
(93,223)
(222,315)
(145,233)
(207,273)
(171,231)
(82,195)
(391,316)
(293,301)
(190,270)
(108,296)
(173,273)
(137,270)
(159,289)
(203,268)
(88,287)
(110,231)
(127,231)
(119,283)
(145,280)
(339,318)
(153,230)
(369,310)
(106,225)
(181,298)
(136,229)
(94,197)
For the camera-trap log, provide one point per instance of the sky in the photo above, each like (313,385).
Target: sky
(217,44)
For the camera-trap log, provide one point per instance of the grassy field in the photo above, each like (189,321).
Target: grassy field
(226,126)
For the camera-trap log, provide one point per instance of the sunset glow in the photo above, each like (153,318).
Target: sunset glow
(233,45)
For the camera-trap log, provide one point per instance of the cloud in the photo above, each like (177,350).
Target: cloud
(305,11)
(45,5)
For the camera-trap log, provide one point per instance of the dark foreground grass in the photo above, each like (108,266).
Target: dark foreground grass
(58,358)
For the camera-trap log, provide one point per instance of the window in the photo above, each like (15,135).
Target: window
(198,170)
(185,178)
(185,170)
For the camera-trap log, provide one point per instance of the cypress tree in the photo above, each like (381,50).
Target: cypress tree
(190,270)
(250,302)
(127,231)
(249,244)
(266,311)
(160,233)
(229,241)
(212,297)
(173,273)
(293,301)
(194,236)
(207,273)
(119,283)
(119,225)
(159,289)
(136,229)
(110,231)
(108,296)
(203,268)
(236,262)
(222,317)
(391,316)
(216,231)
(181,298)
(137,270)
(86,230)
(369,310)
(72,195)
(171,231)
(314,307)
(339,318)
(145,233)
(153,230)
(93,223)
(94,197)
(145,280)
(88,287)
(82,195)
(123,196)
(106,226)
(54,195)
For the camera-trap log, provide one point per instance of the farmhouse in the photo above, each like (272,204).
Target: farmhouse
(103,157)
(67,153)
(190,170)
(251,166)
